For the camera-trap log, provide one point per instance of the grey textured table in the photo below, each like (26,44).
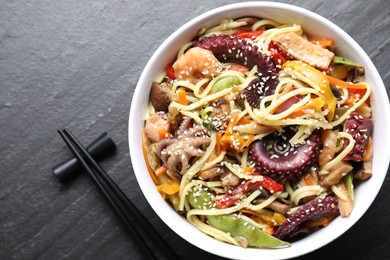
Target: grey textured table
(76,64)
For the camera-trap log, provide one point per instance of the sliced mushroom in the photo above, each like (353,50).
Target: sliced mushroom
(220,114)
(354,74)
(329,143)
(279,207)
(364,172)
(159,96)
(336,173)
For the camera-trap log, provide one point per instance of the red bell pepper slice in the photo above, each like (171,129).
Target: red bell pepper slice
(271,185)
(244,187)
(170,72)
(359,93)
(249,34)
(276,54)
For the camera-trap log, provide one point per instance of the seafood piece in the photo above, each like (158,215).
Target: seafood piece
(360,128)
(276,157)
(176,152)
(256,91)
(235,49)
(156,124)
(301,49)
(229,180)
(195,64)
(314,209)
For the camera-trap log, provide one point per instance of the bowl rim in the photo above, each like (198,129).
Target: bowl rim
(207,243)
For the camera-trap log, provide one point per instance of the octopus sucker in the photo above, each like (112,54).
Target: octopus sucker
(256,91)
(232,48)
(274,156)
(314,209)
(360,128)
(177,152)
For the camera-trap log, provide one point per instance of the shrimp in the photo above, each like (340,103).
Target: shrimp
(195,64)
(155,125)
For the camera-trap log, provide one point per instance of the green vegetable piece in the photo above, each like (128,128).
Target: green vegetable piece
(345,61)
(206,120)
(201,198)
(348,182)
(225,82)
(237,227)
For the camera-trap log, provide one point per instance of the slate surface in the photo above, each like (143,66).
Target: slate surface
(75,64)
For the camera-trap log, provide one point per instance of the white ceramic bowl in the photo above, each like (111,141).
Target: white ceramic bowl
(314,25)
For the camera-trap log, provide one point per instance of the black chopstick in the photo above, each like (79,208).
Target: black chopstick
(125,210)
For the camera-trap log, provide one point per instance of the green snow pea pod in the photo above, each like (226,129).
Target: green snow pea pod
(225,82)
(201,198)
(345,61)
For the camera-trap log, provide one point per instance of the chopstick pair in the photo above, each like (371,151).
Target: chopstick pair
(124,209)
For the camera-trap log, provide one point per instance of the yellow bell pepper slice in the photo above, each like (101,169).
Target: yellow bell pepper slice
(315,106)
(314,78)
(169,188)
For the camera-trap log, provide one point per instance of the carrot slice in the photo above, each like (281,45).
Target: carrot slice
(345,84)
(324,43)
(248,169)
(244,121)
(218,146)
(182,97)
(161,170)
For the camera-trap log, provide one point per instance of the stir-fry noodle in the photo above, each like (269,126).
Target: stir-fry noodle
(257,132)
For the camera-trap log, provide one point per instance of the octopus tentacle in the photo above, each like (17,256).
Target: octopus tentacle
(198,141)
(256,91)
(312,210)
(174,159)
(184,126)
(176,152)
(281,147)
(231,48)
(360,128)
(164,143)
(281,163)
(195,151)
